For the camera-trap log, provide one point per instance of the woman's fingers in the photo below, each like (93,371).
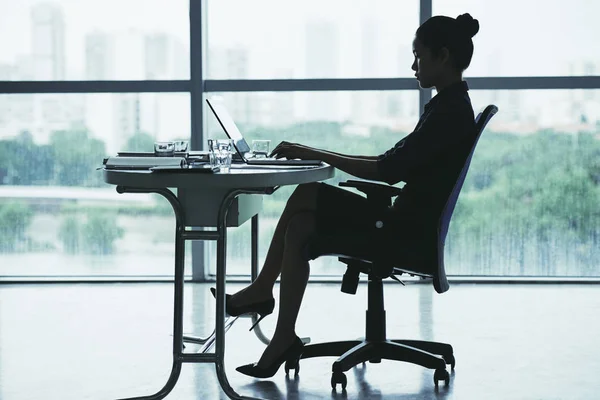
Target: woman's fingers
(286,149)
(279,147)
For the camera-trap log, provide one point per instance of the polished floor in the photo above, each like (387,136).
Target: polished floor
(109,341)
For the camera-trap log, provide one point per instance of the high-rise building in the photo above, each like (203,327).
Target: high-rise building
(367,106)
(7,72)
(127,114)
(25,68)
(112,56)
(129,54)
(228,63)
(42,114)
(99,53)
(273,109)
(165,57)
(115,55)
(322,61)
(232,63)
(99,65)
(48,41)
(281,109)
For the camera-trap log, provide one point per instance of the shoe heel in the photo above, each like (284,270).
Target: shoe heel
(256,323)
(292,364)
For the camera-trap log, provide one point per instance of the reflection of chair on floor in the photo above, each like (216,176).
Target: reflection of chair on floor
(376,346)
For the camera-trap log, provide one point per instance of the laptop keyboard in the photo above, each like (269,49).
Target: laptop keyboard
(275,161)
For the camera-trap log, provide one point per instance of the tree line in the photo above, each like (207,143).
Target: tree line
(542,188)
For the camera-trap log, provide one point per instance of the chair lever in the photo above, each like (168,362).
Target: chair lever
(396,279)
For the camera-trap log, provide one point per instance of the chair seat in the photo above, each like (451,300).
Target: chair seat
(355,249)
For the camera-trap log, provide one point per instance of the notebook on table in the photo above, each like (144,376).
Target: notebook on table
(144,162)
(240,144)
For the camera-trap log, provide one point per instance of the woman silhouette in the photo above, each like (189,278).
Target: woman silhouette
(428,160)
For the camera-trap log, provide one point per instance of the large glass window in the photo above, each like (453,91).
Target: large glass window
(94,40)
(57,216)
(529,205)
(528,38)
(270,39)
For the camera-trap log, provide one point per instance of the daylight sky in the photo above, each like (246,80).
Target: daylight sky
(517,37)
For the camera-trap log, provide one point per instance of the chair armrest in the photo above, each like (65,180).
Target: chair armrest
(374,191)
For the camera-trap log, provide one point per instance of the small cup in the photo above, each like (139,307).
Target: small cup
(223,150)
(181,145)
(260,148)
(164,149)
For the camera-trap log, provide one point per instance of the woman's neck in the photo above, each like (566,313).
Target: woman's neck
(450,80)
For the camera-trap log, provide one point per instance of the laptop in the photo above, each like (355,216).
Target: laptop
(240,144)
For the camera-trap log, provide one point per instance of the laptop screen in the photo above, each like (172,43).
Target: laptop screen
(229,127)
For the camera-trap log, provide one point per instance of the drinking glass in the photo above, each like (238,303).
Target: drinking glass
(223,155)
(181,145)
(164,149)
(260,148)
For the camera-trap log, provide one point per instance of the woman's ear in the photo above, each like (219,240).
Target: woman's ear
(444,55)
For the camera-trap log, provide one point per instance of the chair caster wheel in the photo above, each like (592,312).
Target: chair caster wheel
(338,377)
(292,364)
(441,375)
(450,360)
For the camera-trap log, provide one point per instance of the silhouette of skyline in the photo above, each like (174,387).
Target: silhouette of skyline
(272,41)
(56,41)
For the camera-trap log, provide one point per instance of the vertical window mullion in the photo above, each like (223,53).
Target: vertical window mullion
(425,12)
(197,27)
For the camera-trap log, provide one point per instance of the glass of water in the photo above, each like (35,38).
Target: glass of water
(260,148)
(164,149)
(223,150)
(180,145)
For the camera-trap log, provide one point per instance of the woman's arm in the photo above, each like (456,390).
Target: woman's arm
(360,167)
(342,155)
(364,167)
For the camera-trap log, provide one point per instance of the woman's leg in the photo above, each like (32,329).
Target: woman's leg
(304,198)
(294,278)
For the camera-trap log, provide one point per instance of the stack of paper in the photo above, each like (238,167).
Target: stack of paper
(143,162)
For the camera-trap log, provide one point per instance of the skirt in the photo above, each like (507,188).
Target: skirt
(349,224)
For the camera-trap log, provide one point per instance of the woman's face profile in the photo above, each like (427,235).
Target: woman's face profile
(427,68)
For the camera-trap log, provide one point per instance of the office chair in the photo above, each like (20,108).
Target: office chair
(376,346)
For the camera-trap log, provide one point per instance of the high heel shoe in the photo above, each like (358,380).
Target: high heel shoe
(292,354)
(262,308)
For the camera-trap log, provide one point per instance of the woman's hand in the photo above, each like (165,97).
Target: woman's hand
(294,150)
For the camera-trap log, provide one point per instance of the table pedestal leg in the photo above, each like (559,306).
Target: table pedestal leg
(181,235)
(178,301)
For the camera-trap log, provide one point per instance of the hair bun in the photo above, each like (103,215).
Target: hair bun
(467,24)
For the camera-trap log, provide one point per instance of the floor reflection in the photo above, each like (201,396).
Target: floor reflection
(121,343)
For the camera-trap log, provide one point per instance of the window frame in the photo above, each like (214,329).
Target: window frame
(197,86)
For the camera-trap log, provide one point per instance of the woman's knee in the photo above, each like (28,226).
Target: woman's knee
(307,187)
(304,194)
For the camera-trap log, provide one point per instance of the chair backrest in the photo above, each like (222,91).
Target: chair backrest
(440,282)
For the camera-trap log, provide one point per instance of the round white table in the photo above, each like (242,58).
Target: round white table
(239,176)
(204,200)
